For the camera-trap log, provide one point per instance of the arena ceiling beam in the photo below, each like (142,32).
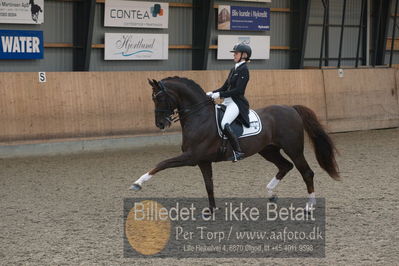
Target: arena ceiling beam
(381,9)
(325,34)
(298,33)
(83,23)
(203,16)
(341,38)
(362,34)
(393,33)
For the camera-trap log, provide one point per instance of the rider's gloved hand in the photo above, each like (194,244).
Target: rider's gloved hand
(215,95)
(209,94)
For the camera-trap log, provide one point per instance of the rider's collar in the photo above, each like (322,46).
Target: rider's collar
(239,64)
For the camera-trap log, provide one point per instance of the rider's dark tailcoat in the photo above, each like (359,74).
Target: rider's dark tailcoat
(234,87)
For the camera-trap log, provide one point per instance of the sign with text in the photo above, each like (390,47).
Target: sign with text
(136,14)
(126,46)
(42,77)
(243,18)
(239,228)
(260,45)
(21,44)
(22,11)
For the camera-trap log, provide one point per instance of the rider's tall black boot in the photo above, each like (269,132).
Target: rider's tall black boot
(237,152)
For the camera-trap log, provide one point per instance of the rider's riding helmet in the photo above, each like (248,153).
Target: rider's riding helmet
(243,48)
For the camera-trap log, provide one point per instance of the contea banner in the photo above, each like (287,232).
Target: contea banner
(243,18)
(22,11)
(21,44)
(260,46)
(136,14)
(126,46)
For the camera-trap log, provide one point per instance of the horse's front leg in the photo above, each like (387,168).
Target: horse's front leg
(206,170)
(185,159)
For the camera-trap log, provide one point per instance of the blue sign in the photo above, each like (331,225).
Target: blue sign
(21,44)
(243,18)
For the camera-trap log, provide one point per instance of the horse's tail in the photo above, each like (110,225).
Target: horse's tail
(322,143)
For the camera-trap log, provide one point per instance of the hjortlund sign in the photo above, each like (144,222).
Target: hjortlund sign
(22,11)
(136,14)
(126,46)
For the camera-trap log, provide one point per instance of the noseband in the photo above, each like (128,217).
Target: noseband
(173,115)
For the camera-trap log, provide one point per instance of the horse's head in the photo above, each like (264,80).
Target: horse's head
(31,2)
(165,104)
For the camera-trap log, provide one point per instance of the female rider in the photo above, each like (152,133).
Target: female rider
(233,91)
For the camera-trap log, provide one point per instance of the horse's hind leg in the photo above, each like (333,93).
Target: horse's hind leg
(272,154)
(307,174)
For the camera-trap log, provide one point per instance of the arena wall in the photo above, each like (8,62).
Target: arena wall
(361,99)
(288,87)
(110,104)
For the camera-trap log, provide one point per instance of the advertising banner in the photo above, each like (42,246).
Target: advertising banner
(239,228)
(126,46)
(260,45)
(136,14)
(22,11)
(243,18)
(21,44)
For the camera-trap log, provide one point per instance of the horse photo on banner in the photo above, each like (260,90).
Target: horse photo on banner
(22,12)
(260,45)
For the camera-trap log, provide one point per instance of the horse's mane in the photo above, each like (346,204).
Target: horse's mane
(189,82)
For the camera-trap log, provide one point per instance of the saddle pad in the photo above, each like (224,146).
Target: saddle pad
(240,130)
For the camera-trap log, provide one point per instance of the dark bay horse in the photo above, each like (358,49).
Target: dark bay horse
(282,128)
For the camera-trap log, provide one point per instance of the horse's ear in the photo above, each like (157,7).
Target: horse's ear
(151,83)
(155,83)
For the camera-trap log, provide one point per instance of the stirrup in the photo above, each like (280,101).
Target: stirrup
(237,156)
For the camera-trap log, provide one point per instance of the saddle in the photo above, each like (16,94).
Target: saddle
(241,131)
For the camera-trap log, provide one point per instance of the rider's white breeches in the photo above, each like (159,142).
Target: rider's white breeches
(231,113)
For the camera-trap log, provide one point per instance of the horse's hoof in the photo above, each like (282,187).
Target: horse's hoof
(135,187)
(308,212)
(207,215)
(273,199)
(309,209)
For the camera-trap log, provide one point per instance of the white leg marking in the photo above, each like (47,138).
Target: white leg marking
(272,184)
(143,179)
(311,204)
(312,198)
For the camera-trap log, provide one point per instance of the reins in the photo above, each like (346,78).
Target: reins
(171,114)
(192,111)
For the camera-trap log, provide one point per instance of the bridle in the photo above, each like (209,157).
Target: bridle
(169,113)
(174,114)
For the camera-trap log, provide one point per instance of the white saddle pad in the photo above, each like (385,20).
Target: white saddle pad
(254,121)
